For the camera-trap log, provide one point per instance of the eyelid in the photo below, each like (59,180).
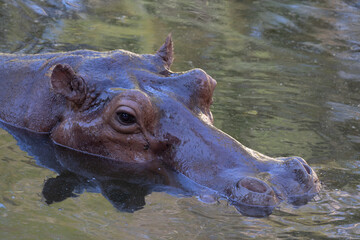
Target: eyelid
(127,110)
(126,129)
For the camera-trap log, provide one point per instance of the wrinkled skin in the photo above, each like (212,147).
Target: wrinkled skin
(132,108)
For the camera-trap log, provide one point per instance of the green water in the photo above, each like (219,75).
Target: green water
(288,77)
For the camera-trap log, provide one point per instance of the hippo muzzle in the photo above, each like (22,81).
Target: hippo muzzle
(252,182)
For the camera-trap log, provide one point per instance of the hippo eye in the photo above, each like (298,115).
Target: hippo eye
(126,118)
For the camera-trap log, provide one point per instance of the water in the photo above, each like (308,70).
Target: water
(288,77)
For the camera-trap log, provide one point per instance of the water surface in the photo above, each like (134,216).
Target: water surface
(288,77)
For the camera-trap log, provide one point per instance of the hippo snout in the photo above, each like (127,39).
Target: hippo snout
(295,180)
(253,197)
(254,192)
(290,179)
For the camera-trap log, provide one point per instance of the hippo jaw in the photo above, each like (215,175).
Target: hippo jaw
(166,118)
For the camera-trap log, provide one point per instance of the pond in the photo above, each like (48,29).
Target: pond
(288,76)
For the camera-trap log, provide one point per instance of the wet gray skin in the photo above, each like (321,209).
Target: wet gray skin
(253,182)
(132,108)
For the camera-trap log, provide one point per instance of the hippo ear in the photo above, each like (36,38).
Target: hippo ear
(166,51)
(67,83)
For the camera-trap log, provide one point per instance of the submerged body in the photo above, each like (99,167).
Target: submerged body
(132,108)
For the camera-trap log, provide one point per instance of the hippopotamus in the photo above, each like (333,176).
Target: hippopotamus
(132,108)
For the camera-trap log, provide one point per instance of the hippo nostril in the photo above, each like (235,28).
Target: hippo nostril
(253,197)
(307,168)
(296,181)
(252,185)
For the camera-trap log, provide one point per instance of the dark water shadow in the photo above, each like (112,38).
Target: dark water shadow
(123,184)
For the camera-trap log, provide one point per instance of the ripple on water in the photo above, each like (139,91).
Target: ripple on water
(288,84)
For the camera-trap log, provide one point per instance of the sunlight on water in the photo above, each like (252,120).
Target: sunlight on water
(288,84)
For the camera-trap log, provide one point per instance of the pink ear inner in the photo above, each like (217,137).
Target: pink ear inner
(67,83)
(166,51)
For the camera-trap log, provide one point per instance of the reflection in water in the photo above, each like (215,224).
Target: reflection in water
(125,185)
(288,83)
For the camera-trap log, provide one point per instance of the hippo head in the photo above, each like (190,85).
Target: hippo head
(132,108)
